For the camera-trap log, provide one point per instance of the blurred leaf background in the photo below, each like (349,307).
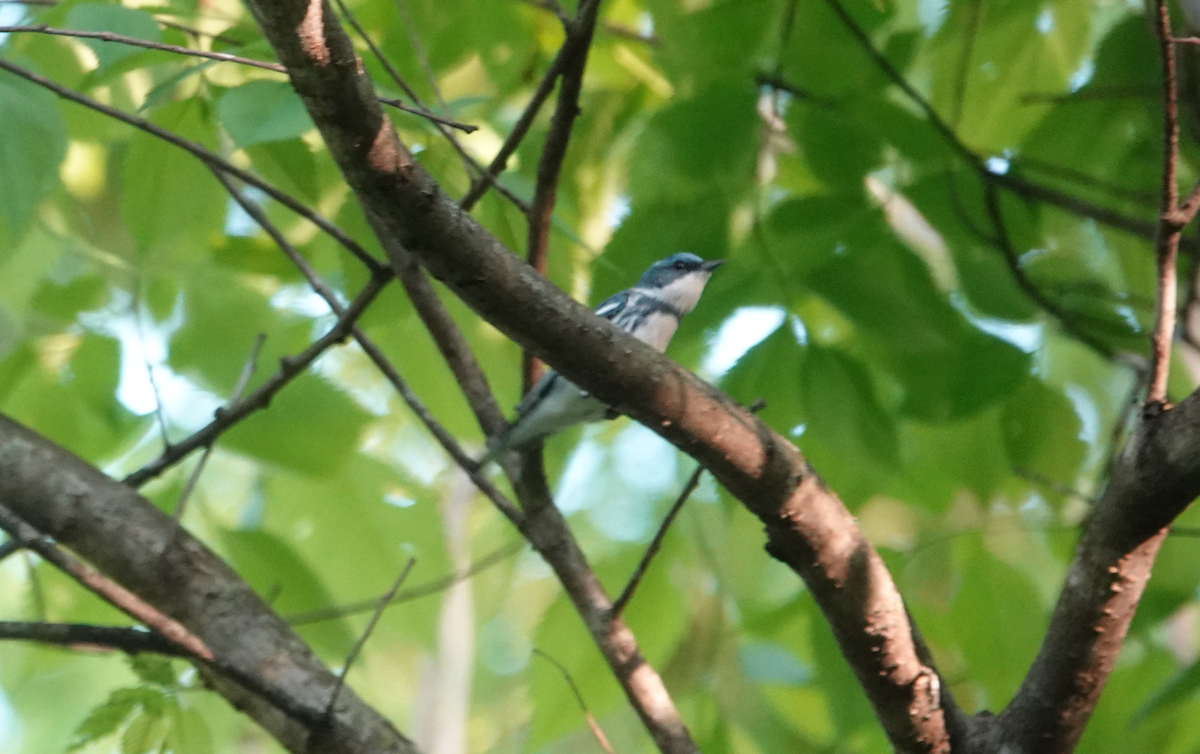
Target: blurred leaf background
(868,298)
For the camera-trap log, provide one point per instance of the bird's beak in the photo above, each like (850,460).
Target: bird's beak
(712,264)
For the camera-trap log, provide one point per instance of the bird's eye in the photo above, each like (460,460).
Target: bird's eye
(679,265)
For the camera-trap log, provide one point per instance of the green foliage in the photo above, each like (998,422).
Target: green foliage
(958,416)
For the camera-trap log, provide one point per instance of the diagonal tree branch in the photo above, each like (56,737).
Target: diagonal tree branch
(807,526)
(144,551)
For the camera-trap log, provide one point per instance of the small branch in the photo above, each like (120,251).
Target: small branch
(108,36)
(992,201)
(1166,245)
(464,127)
(419,51)
(440,325)
(122,638)
(597,732)
(423,590)
(158,18)
(234,397)
(205,156)
(693,482)
(289,368)
(580,32)
(366,634)
(93,581)
(520,128)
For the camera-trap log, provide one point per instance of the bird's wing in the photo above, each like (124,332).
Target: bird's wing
(612,306)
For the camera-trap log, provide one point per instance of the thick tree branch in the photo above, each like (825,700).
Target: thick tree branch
(145,551)
(807,525)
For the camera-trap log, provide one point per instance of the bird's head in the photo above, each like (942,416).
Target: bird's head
(679,279)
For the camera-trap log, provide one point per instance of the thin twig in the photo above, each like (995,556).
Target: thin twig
(655,544)
(1000,228)
(234,397)
(1166,244)
(207,157)
(335,612)
(123,638)
(158,18)
(597,732)
(440,325)
(467,160)
(498,164)
(419,50)
(107,36)
(366,634)
(289,368)
(464,127)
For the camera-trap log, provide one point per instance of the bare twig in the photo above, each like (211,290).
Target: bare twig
(440,325)
(234,397)
(123,638)
(108,36)
(693,482)
(205,156)
(158,18)
(464,127)
(110,592)
(289,368)
(334,612)
(594,726)
(366,634)
(468,161)
(419,50)
(519,129)
(1166,244)
(1000,228)
(554,152)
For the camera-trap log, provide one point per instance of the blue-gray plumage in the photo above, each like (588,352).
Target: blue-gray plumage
(650,311)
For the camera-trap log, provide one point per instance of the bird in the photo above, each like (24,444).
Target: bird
(650,311)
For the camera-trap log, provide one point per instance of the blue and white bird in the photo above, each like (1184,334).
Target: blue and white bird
(650,311)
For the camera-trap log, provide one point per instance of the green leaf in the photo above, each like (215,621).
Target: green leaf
(143,733)
(263,111)
(153,669)
(117,19)
(172,204)
(106,718)
(1041,433)
(311,427)
(189,733)
(33,144)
